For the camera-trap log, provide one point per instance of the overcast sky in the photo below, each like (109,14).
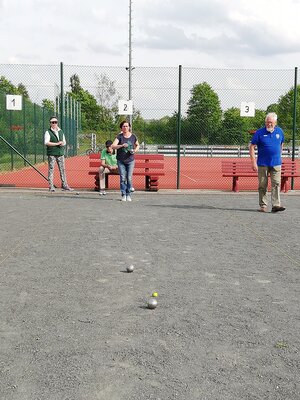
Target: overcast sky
(201,33)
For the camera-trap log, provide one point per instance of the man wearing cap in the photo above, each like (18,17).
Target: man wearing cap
(109,165)
(55,141)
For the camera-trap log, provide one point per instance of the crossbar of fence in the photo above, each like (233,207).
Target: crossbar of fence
(25,159)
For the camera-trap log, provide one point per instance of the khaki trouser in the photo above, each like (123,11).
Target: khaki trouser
(102,172)
(275,175)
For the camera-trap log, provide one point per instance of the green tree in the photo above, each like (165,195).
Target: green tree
(7,87)
(204,113)
(272,108)
(49,104)
(75,84)
(285,112)
(258,120)
(233,127)
(89,108)
(22,90)
(237,130)
(107,94)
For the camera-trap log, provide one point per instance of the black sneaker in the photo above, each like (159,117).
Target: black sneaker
(277,208)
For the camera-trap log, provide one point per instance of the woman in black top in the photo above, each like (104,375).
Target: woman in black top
(126,144)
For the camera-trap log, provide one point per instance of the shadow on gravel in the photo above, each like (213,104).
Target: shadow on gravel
(202,207)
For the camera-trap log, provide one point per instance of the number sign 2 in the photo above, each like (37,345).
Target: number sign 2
(125,107)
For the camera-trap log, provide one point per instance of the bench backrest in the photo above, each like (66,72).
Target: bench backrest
(288,167)
(237,167)
(143,161)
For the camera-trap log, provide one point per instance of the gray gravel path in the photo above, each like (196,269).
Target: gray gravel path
(74,324)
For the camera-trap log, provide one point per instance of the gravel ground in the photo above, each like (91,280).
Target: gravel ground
(75,325)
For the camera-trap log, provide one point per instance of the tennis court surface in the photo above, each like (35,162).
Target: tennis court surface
(195,173)
(74,324)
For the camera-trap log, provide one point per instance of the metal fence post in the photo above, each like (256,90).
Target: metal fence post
(62,106)
(34,131)
(43,133)
(24,130)
(11,140)
(179,126)
(294,121)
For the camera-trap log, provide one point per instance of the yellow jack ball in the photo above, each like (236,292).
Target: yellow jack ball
(154,294)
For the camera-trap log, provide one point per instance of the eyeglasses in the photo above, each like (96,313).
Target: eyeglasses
(54,122)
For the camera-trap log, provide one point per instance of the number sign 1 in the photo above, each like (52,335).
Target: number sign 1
(13,102)
(125,107)
(247,109)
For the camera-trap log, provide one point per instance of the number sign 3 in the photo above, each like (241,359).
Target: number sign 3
(247,109)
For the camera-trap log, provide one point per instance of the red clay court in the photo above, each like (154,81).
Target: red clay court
(195,173)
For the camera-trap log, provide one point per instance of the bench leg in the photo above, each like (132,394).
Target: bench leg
(151,183)
(97,185)
(284,184)
(154,184)
(235,184)
(147,182)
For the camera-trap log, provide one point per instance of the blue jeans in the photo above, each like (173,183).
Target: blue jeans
(125,171)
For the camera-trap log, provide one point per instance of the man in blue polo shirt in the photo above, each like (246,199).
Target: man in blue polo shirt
(268,141)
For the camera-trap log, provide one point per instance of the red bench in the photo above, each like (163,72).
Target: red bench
(239,169)
(288,170)
(151,166)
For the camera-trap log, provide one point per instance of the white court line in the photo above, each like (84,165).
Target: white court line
(186,176)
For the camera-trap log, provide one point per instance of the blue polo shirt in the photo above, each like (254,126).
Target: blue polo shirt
(268,146)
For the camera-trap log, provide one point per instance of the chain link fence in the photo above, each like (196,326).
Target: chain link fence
(191,113)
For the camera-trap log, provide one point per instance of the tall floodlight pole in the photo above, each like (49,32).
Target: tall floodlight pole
(130,57)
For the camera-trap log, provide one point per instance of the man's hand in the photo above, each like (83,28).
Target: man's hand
(254,165)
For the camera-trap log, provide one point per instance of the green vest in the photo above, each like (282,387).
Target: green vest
(55,150)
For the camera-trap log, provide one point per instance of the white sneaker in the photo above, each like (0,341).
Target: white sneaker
(102,193)
(123,198)
(128,198)
(67,188)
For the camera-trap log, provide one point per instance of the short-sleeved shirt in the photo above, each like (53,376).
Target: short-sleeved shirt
(123,154)
(268,146)
(110,158)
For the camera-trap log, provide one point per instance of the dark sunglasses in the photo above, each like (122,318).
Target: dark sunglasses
(54,122)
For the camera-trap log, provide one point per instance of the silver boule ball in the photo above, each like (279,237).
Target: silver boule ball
(152,303)
(130,268)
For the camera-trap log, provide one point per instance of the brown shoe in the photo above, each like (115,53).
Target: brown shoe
(277,208)
(262,209)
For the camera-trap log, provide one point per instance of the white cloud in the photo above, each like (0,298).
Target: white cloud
(205,33)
